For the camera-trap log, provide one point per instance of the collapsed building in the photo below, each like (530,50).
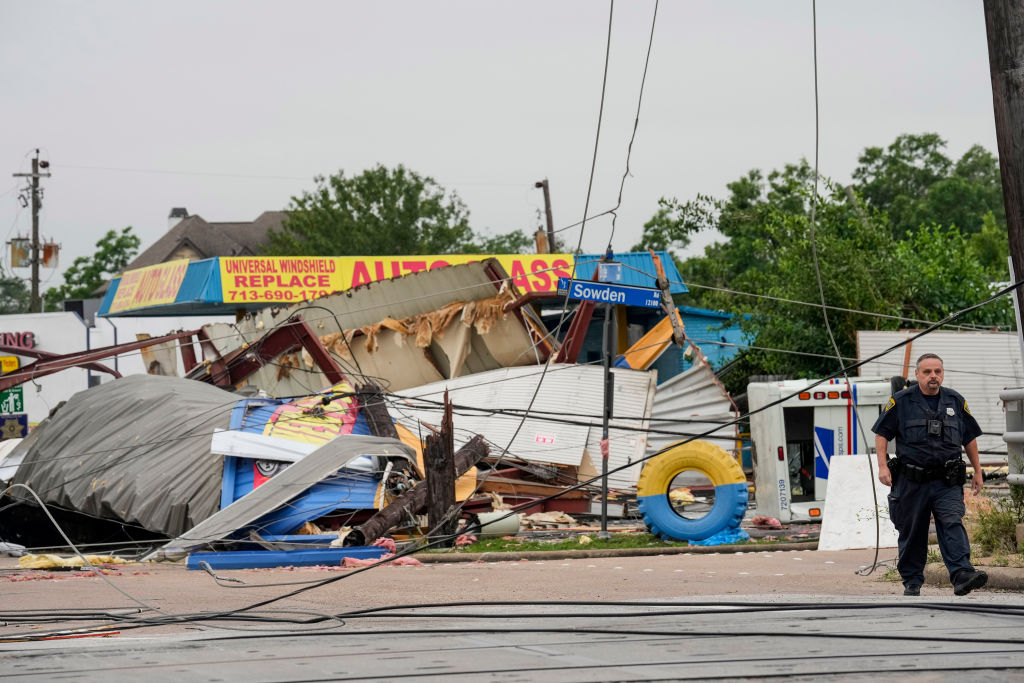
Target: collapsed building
(250,399)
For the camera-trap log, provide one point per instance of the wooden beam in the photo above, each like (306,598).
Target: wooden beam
(413,501)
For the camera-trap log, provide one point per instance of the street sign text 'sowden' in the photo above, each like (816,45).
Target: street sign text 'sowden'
(609,294)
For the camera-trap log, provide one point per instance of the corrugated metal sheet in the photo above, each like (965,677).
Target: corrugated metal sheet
(136,449)
(398,298)
(573,393)
(977,364)
(638,270)
(692,403)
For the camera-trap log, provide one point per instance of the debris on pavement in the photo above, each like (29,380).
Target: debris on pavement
(74,562)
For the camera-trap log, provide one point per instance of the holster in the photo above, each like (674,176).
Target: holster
(895,468)
(956,473)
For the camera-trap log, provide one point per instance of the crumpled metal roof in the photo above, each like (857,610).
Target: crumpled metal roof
(283,487)
(398,363)
(564,419)
(690,404)
(136,450)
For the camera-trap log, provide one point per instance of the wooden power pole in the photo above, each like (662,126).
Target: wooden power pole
(35,303)
(1004,24)
(543,185)
(439,462)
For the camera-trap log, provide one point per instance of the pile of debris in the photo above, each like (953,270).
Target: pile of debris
(233,461)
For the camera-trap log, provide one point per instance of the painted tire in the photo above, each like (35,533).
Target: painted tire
(725,474)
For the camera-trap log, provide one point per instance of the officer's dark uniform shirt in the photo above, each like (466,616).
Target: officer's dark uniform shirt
(906,418)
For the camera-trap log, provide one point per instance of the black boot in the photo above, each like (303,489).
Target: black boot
(968,580)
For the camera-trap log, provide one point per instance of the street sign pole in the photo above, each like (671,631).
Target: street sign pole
(610,295)
(609,385)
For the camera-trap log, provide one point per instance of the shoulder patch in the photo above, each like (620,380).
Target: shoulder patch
(966,410)
(892,404)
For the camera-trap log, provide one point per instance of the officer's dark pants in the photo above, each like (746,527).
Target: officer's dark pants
(911,505)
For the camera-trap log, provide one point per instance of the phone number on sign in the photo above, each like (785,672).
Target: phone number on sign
(275,294)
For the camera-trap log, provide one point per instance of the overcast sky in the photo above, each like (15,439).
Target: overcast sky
(231,108)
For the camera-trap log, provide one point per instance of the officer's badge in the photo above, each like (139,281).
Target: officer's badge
(949,411)
(965,408)
(890,405)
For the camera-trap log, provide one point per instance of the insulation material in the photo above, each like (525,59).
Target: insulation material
(135,449)
(978,365)
(399,330)
(565,419)
(690,404)
(456,345)
(73,562)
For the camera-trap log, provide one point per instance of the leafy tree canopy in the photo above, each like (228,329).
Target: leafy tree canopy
(14,295)
(114,251)
(921,273)
(915,183)
(383,211)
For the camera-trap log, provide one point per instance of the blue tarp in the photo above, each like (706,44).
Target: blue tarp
(727,536)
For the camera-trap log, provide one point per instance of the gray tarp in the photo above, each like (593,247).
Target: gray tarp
(135,449)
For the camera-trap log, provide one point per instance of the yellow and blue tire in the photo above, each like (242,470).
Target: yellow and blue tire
(726,476)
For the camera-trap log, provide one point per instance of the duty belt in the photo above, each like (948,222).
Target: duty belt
(954,472)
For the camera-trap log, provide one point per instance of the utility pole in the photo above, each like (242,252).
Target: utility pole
(1004,24)
(543,184)
(35,303)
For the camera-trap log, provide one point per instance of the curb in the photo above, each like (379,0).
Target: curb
(999,578)
(428,558)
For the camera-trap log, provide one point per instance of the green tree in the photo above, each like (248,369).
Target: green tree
(382,211)
(991,246)
(515,242)
(864,267)
(14,295)
(916,184)
(114,251)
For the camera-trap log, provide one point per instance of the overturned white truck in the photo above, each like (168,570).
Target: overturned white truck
(797,429)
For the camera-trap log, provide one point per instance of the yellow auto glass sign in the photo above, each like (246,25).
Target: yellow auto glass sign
(283,279)
(150,286)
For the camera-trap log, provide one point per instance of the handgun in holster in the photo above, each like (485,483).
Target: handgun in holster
(956,473)
(895,467)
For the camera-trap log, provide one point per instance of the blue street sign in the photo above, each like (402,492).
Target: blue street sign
(609,294)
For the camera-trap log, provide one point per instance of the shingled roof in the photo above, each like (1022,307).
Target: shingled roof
(208,240)
(211,239)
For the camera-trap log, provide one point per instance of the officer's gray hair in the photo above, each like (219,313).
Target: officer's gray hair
(926,356)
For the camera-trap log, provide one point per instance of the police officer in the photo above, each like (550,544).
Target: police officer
(930,424)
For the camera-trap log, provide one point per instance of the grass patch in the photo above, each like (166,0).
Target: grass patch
(933,556)
(997,525)
(892,575)
(1002,560)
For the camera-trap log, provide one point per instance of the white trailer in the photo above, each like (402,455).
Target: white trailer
(978,365)
(795,440)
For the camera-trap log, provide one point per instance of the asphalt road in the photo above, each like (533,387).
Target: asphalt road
(754,615)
